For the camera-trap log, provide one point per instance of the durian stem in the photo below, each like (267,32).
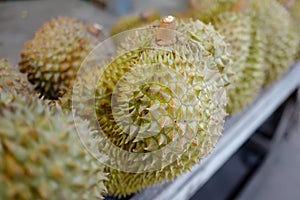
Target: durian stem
(146,15)
(240,6)
(289,4)
(166,34)
(193,5)
(95,29)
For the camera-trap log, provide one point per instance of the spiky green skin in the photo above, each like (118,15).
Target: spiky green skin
(52,59)
(41,159)
(280,38)
(40,154)
(154,108)
(252,77)
(295,14)
(206,10)
(296,19)
(155,103)
(247,51)
(11,79)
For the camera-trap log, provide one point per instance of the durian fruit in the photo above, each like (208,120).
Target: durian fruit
(293,6)
(160,103)
(52,59)
(253,74)
(41,158)
(247,49)
(205,10)
(40,154)
(280,38)
(211,8)
(12,79)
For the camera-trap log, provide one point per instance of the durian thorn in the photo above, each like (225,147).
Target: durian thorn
(289,4)
(166,34)
(95,29)
(240,6)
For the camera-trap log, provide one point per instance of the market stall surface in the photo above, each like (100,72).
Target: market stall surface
(279,177)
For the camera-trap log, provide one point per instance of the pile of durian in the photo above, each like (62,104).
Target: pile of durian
(146,113)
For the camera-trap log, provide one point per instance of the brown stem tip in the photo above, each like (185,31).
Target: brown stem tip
(289,4)
(240,6)
(193,5)
(166,34)
(146,15)
(95,29)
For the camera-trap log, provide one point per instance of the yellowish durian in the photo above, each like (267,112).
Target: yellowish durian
(162,96)
(247,48)
(280,38)
(52,59)
(40,153)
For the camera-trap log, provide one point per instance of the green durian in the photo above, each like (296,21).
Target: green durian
(174,91)
(247,49)
(205,10)
(52,59)
(211,8)
(293,6)
(11,79)
(280,38)
(295,12)
(253,74)
(40,154)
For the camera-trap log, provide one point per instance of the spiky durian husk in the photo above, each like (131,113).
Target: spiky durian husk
(153,105)
(41,157)
(296,21)
(11,79)
(198,70)
(252,76)
(52,59)
(280,38)
(206,10)
(241,33)
(295,14)
(40,154)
